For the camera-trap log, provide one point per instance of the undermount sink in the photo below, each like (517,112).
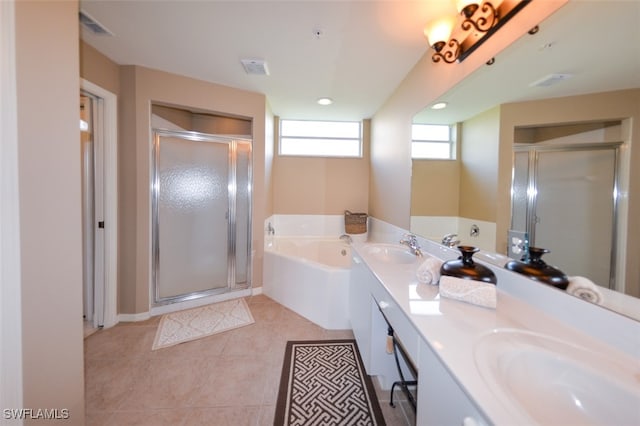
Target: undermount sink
(391,253)
(556,382)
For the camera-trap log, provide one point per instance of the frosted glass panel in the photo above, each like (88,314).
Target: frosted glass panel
(574,211)
(192,208)
(243,211)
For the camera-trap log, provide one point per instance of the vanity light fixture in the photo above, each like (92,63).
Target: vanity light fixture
(325,101)
(454,37)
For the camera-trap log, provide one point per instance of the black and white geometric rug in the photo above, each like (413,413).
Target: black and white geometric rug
(324,383)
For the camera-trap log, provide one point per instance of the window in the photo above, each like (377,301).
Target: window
(320,138)
(432,141)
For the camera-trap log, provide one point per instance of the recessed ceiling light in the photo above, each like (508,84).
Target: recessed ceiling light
(325,101)
(439,105)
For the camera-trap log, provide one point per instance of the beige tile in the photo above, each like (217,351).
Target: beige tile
(120,342)
(223,416)
(174,417)
(109,381)
(231,381)
(259,338)
(97,418)
(168,382)
(267,415)
(205,347)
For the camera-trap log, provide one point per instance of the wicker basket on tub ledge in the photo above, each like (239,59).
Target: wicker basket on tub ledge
(355,223)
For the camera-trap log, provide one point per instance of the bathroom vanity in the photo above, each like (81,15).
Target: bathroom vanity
(538,358)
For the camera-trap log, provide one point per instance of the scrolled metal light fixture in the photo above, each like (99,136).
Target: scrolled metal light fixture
(454,37)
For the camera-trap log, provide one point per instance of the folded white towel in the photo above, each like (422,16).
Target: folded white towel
(470,291)
(429,271)
(585,289)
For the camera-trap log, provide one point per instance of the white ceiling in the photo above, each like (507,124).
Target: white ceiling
(364,51)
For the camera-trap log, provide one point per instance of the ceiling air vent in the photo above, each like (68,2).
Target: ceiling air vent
(92,25)
(255,66)
(550,80)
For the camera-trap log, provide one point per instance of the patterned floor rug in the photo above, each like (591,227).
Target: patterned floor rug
(191,324)
(324,383)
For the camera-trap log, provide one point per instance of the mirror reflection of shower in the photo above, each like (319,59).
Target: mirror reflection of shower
(564,196)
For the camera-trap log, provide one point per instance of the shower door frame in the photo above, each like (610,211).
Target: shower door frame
(533,151)
(232,143)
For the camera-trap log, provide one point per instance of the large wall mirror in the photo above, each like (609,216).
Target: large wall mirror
(539,116)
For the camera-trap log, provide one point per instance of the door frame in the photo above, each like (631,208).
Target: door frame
(110,194)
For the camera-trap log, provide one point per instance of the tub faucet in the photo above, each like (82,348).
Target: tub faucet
(411,241)
(270,230)
(450,240)
(346,238)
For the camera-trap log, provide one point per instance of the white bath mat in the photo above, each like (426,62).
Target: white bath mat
(191,324)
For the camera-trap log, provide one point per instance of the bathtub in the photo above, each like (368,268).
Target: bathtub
(310,276)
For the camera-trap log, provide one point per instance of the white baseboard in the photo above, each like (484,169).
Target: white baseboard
(142,316)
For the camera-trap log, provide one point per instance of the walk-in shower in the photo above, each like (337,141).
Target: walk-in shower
(201,215)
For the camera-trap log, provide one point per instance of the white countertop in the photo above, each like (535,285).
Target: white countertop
(451,328)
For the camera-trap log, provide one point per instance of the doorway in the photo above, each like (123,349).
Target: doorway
(98,156)
(92,213)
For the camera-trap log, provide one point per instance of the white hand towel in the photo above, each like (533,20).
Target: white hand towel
(470,291)
(585,289)
(429,271)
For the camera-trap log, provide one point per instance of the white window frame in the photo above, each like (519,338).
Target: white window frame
(310,137)
(450,142)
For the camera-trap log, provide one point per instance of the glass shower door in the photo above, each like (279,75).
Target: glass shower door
(191,209)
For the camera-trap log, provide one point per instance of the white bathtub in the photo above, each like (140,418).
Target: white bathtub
(311,277)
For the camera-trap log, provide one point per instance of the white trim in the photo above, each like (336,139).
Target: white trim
(142,316)
(111,200)
(11,384)
(201,301)
(161,310)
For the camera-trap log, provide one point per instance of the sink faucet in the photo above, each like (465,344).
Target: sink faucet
(346,238)
(450,240)
(411,241)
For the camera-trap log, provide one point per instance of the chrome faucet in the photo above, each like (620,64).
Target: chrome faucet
(346,238)
(450,240)
(270,229)
(411,241)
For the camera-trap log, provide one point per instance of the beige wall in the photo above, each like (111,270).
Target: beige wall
(479,170)
(308,185)
(622,105)
(390,183)
(139,88)
(47,70)
(435,187)
(98,69)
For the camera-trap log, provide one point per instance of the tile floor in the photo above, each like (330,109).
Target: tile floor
(230,378)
